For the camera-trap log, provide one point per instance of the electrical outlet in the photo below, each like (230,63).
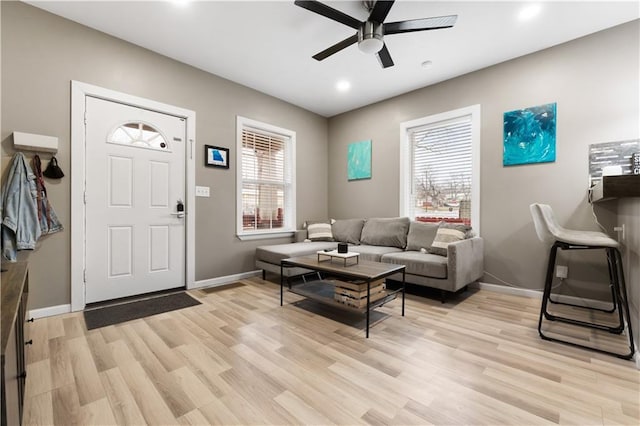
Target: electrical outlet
(202,191)
(562,271)
(620,230)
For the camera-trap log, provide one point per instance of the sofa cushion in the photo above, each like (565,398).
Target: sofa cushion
(373,253)
(447,234)
(275,253)
(391,232)
(318,231)
(347,230)
(417,263)
(421,235)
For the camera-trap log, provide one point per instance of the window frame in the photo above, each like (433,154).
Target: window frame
(406,178)
(290,188)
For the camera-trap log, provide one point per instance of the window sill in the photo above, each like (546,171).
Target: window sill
(265,235)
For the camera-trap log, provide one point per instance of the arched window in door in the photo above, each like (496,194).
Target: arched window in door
(140,135)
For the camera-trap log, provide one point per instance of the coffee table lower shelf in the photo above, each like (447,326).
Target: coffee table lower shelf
(322,291)
(368,272)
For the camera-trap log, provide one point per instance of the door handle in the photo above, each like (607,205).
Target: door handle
(179,209)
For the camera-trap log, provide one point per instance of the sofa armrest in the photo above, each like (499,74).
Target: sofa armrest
(465,261)
(299,235)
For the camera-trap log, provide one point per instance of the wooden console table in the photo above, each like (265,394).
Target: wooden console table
(14,297)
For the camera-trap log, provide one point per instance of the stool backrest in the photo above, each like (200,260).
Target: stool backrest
(545,223)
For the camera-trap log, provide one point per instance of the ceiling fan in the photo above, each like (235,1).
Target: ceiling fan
(372,31)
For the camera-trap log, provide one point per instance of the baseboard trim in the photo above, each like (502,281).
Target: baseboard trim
(49,312)
(216,282)
(515,291)
(537,294)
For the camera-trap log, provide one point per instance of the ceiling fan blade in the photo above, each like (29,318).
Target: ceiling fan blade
(329,12)
(380,11)
(336,48)
(435,23)
(384,57)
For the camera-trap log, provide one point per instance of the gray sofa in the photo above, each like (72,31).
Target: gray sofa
(392,240)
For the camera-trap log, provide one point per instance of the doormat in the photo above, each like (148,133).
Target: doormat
(115,314)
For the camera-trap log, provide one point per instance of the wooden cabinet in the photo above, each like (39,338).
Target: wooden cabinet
(14,296)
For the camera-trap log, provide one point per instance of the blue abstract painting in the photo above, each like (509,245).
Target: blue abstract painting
(530,135)
(359,160)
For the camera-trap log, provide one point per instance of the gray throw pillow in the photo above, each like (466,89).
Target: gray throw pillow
(447,234)
(390,232)
(347,230)
(421,235)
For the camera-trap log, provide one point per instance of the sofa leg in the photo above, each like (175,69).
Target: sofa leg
(264,275)
(443,296)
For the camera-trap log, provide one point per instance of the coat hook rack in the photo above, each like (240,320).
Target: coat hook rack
(32,142)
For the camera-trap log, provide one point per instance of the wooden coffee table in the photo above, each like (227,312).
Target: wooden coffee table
(363,271)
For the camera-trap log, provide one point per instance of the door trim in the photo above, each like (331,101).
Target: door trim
(79,91)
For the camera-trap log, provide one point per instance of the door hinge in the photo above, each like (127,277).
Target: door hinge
(85,117)
(84,197)
(84,276)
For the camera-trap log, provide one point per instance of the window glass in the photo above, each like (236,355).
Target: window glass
(139,134)
(440,167)
(441,171)
(266,196)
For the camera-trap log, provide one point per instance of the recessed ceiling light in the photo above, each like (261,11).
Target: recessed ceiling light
(427,64)
(529,11)
(180,3)
(343,85)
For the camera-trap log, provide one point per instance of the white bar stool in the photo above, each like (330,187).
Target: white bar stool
(558,237)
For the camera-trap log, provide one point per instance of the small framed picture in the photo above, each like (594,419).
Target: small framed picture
(215,156)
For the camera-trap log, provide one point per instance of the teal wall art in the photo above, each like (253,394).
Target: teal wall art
(530,135)
(359,160)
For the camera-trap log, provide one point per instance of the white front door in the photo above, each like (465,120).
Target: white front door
(135,183)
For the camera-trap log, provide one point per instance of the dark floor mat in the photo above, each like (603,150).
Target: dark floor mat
(115,314)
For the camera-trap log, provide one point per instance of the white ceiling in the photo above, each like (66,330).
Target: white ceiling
(267,45)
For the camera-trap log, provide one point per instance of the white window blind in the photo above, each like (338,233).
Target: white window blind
(441,170)
(265,179)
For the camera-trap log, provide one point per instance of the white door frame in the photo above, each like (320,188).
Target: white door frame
(79,91)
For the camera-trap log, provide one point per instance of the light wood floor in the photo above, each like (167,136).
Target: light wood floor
(240,358)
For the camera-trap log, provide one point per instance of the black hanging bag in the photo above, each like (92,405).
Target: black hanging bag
(53,171)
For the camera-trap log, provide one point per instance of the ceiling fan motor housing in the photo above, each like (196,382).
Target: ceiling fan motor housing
(370,37)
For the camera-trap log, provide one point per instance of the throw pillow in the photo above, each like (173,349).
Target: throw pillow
(421,235)
(447,234)
(318,231)
(347,230)
(390,232)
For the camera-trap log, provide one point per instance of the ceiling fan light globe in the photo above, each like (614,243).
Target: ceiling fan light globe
(370,45)
(370,38)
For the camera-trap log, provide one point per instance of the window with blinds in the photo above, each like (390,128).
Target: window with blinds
(440,167)
(265,179)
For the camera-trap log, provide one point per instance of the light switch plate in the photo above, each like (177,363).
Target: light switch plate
(202,191)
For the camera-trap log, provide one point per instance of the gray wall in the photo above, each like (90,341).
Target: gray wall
(594,81)
(42,53)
